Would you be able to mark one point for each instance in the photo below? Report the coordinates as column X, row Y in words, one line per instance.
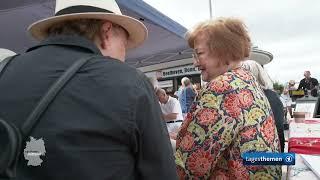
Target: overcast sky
column 289, row 29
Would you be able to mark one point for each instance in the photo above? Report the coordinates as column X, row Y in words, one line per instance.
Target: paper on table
column 306, row 107
column 313, row 162
column 304, row 130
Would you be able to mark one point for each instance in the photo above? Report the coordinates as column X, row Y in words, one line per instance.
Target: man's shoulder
column 107, row 62
column 190, row 89
column 314, row 79
column 114, row 66
column 173, row 100
column 116, row 73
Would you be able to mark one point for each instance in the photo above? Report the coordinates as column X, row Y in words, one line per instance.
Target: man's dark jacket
column 105, row 124
column 309, row 84
column 277, row 109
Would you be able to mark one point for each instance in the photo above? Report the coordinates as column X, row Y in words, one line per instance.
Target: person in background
column 231, row 115
column 266, row 84
column 171, row 110
column 186, row 95
column 309, row 84
column 286, row 101
column 291, row 85
column 106, row 121
column 178, row 92
column 154, row 82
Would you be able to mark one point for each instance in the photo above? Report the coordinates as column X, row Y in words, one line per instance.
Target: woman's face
column 203, row 59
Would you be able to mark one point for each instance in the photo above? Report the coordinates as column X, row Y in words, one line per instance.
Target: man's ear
column 105, row 33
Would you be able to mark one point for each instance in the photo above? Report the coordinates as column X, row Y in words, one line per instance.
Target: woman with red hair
column 231, row 115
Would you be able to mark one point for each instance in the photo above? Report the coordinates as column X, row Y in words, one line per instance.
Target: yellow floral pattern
column 254, row 116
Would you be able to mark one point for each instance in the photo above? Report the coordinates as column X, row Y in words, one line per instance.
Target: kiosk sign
column 179, row 71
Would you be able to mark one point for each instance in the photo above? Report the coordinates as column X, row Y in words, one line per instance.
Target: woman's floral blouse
column 229, row 117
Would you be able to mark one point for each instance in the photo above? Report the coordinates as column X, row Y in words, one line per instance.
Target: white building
column 169, row 74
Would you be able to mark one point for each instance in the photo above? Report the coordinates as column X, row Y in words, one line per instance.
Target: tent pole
column 210, row 6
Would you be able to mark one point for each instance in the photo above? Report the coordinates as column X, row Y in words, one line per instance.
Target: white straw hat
column 91, row 9
column 4, row 53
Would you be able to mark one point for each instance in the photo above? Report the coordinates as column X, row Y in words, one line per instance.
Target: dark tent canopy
column 165, row 42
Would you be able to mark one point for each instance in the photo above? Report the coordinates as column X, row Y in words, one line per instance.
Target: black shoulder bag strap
column 16, row 136
column 35, row 115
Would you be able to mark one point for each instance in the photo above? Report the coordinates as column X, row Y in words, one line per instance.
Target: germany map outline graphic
column 34, row 149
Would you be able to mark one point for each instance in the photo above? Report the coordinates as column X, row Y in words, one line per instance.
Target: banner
column 267, row 158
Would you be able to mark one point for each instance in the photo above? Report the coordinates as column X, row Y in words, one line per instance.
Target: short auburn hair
column 227, row 38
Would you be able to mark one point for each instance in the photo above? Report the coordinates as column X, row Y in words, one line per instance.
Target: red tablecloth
column 311, row 121
column 304, row 145
column 304, row 138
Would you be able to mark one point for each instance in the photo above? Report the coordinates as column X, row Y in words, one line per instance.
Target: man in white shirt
column 171, row 110
column 286, row 101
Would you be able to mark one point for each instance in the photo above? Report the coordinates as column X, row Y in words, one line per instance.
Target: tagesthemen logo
column 34, row 149
column 265, row 158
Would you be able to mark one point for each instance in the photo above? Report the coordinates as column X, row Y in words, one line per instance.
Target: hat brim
column 138, row 32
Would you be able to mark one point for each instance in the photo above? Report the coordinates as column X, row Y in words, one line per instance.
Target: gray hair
column 259, row 73
column 160, row 91
column 185, row 81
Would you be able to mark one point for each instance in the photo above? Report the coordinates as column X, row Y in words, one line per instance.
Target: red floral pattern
column 255, row 168
column 244, row 75
column 199, row 162
column 245, row 98
column 181, row 173
column 220, row 175
column 207, row 116
column 235, row 153
column 238, row 171
column 268, row 130
column 231, row 104
column 203, row 151
column 187, row 142
column 220, row 86
column 249, row 134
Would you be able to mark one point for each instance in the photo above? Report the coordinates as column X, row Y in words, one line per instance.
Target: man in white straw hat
column 106, row 121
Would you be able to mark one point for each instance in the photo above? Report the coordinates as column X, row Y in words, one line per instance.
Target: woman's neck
column 234, row 65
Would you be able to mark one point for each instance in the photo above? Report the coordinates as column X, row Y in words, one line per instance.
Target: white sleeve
column 289, row 103
column 176, row 108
